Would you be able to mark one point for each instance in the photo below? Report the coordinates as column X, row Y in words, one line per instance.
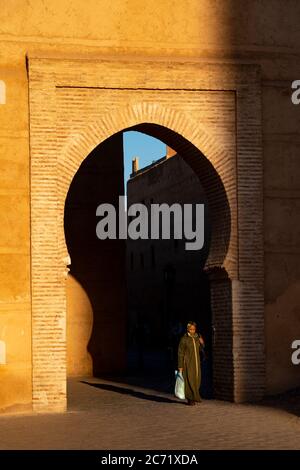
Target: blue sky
column 147, row 148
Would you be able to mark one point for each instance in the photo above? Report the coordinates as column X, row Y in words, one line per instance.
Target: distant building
column 165, row 281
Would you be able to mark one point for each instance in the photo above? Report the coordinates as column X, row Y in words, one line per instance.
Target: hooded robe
column 189, row 360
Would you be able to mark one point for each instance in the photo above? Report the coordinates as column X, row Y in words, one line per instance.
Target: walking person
column 190, row 345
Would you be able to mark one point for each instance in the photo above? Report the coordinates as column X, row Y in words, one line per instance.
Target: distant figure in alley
column 189, row 349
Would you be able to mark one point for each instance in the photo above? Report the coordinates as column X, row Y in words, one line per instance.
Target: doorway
column 128, row 301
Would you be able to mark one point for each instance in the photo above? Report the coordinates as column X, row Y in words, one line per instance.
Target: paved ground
column 111, row 415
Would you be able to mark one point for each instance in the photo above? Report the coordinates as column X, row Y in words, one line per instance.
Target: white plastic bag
column 179, row 385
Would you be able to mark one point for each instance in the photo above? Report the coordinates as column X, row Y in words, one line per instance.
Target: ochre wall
column 262, row 32
column 15, row 311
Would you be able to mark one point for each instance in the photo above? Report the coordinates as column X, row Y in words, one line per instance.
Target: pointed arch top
column 79, row 145
column 201, row 151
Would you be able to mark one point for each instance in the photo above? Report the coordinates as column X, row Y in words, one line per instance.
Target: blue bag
column 179, row 385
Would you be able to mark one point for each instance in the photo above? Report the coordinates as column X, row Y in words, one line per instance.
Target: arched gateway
column 211, row 116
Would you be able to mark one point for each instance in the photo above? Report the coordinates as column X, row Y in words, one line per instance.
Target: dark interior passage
column 128, row 302
column 166, row 283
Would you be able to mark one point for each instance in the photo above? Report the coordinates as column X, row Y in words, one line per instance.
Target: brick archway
column 221, row 265
column 63, row 139
column 212, row 164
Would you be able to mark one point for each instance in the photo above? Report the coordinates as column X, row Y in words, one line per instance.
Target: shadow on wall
column 96, row 287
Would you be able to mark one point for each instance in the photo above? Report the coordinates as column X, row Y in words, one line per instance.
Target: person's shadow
column 134, row 393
